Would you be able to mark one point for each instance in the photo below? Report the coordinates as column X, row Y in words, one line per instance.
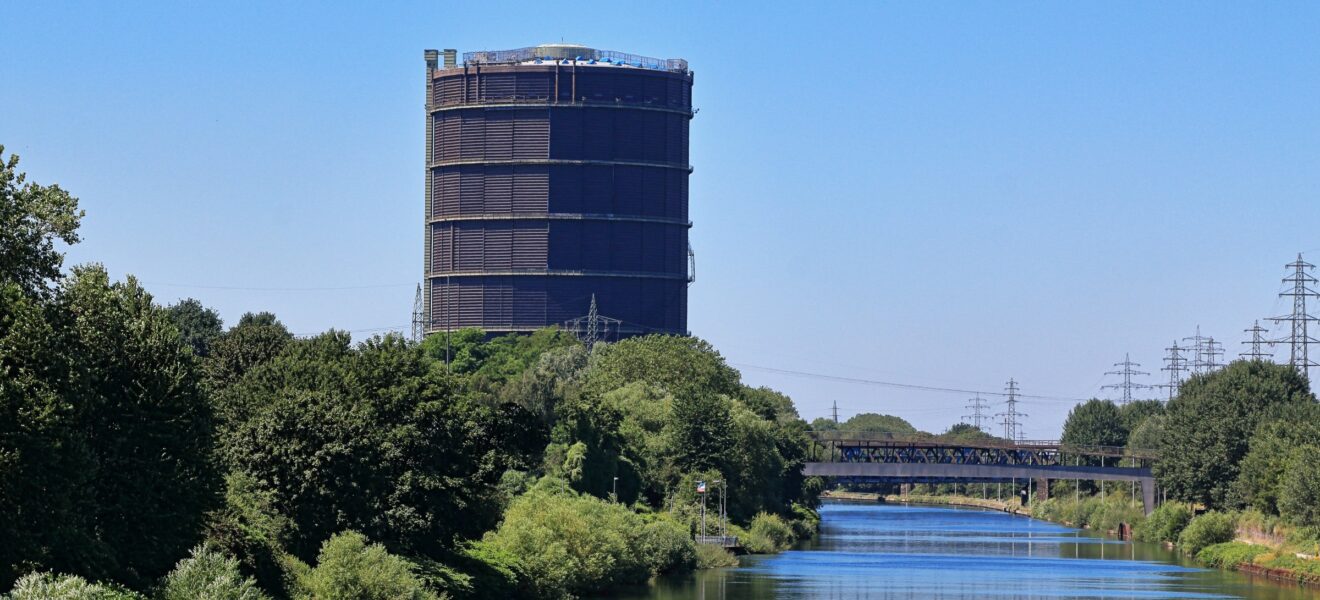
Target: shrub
column 49, row 586
column 806, row 522
column 348, row 568
column 710, row 556
column 208, row 575
column 1229, row 555
column 668, row 547
column 1206, row 530
column 572, row 544
column 772, row 528
column 1165, row 523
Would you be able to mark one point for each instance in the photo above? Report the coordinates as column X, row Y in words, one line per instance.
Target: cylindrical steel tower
column 555, row 174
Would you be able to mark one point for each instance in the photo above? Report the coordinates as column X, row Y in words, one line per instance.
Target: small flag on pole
column 701, row 487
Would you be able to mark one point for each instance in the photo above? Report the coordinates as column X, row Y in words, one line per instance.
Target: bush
column 49, row 586
column 668, row 547
column 1206, row 530
column 1229, row 555
column 1165, row 523
column 710, row 556
column 348, row 568
column 572, row 544
column 208, row 575
column 772, row 528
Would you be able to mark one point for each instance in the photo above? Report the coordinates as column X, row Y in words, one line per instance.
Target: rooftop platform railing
column 522, row 55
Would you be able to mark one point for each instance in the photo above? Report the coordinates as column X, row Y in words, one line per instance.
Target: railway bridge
column 901, row 458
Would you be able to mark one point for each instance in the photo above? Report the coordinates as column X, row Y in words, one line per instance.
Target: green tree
column 148, row 428
column 1148, row 437
column 348, row 567
column 573, row 544
column 255, row 340
column 702, row 431
column 208, row 575
column 824, row 424
column 965, row 432
column 372, row 439
column 33, row 218
column 874, row 423
column 768, row 404
column 1262, row 470
column 1095, row 423
column 683, row 366
column 49, row 586
column 197, row 325
column 1136, row 412
column 1209, row 423
column 1299, row 496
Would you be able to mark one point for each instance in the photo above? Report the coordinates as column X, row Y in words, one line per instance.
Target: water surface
column 885, row 551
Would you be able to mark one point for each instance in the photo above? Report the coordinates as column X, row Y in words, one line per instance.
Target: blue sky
column 946, row 194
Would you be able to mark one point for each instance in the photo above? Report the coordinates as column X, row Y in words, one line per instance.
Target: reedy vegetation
column 132, row 434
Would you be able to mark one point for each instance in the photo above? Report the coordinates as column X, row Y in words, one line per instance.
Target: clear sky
column 946, row 194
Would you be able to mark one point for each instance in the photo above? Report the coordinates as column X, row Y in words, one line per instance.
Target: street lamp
column 616, row 489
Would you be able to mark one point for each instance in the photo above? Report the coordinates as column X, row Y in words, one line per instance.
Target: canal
column 887, row 551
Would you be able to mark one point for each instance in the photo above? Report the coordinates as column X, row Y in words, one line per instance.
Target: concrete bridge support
column 1042, row 489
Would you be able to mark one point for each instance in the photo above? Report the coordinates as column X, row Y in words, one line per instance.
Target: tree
column 255, row 340
column 1134, row 413
column 965, row 432
column 148, row 428
column 1209, row 423
column 1299, row 496
column 683, row 366
column 702, row 431
column 208, row 575
column 33, row 218
column 768, row 404
column 1148, row 437
column 197, row 325
column 371, row 439
column 105, row 438
column 350, row 568
column 1095, row 423
column 874, row 423
column 1262, row 471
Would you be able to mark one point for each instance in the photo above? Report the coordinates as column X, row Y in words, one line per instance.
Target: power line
column 898, row 385
column 1128, row 385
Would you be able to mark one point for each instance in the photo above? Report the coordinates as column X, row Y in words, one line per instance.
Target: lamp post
column 616, row 489
column 720, row 482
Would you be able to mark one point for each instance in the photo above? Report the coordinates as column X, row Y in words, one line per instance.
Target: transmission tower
column 1299, row 338
column 1011, row 415
column 835, row 412
column 418, row 316
column 1257, row 342
column 1176, row 365
column 1128, row 385
column 594, row 327
column 1213, row 351
column 979, row 415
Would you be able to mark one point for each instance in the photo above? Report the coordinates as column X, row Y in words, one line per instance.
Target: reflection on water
column 883, row 551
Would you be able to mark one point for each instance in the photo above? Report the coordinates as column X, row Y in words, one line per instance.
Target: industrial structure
column 556, row 184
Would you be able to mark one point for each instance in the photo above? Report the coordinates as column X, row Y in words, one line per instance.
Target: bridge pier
column 1042, row 489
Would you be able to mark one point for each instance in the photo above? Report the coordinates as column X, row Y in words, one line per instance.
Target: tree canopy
column 1209, row 424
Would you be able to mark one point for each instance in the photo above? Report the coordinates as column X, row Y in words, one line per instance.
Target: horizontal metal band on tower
column 559, row 273
column 560, row 161
column 548, row 103
column 560, row 217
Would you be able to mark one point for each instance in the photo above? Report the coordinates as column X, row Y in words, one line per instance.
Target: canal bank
column 894, row 550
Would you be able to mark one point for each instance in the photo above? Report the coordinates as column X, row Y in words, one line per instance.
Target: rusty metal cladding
column 554, row 173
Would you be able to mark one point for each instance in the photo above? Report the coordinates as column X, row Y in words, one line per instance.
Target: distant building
column 553, row 174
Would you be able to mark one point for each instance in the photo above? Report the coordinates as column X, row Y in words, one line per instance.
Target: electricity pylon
column 979, row 415
column 1299, row 338
column 1010, row 415
column 1176, row 365
column 1128, row 385
column 1257, row 342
